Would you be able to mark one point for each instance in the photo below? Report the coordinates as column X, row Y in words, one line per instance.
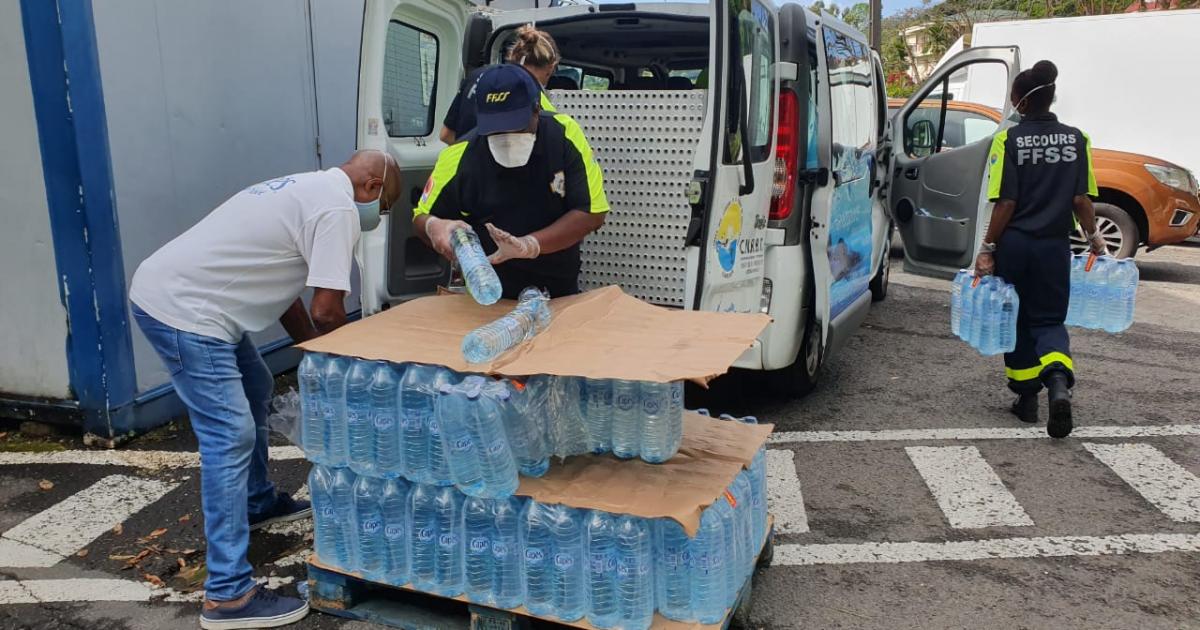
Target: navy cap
column 504, row 99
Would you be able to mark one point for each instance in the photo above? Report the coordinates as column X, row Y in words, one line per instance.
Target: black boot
column 1060, row 424
column 1025, row 408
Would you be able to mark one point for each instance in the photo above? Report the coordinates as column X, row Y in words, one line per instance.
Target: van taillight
column 787, row 156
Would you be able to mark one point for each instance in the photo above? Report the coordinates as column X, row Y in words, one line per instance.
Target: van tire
column 800, row 378
column 879, row 284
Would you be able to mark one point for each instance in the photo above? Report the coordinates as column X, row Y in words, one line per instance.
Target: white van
column 745, row 148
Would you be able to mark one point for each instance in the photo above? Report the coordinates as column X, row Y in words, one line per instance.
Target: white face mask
column 512, row 149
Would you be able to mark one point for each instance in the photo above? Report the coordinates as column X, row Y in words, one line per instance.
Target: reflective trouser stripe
column 1029, row 374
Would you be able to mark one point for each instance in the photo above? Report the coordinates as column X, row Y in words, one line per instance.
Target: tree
column 858, row 16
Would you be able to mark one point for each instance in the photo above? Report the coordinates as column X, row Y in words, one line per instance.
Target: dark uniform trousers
column 1040, row 270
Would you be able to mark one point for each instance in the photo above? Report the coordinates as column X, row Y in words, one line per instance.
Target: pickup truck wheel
column 800, row 378
column 1119, row 230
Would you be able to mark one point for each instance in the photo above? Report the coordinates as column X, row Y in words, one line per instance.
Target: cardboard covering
column 599, row 334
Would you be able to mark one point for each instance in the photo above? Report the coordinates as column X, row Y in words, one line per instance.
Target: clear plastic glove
column 509, row 247
column 439, row 232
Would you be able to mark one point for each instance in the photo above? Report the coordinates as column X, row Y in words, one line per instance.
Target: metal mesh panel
column 645, row 142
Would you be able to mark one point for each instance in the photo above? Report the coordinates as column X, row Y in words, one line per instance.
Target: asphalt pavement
column 905, row 495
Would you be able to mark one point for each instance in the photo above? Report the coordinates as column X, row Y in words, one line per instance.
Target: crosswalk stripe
column 152, row 460
column 73, row 590
column 969, row 492
column 987, row 433
column 1041, row 547
column 48, row 537
column 785, row 501
column 1162, row 482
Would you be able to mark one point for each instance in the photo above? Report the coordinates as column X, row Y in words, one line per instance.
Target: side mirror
column 921, row 138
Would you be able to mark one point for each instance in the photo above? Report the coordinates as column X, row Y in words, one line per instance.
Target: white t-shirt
column 240, row 267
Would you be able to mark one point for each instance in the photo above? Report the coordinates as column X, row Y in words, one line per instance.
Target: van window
column 410, row 69
column 852, row 94
column 753, row 42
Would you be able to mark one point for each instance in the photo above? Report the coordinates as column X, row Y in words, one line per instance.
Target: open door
column 409, row 72
column 938, row 191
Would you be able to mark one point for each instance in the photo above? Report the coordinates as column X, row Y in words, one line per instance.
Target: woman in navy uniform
column 1041, row 180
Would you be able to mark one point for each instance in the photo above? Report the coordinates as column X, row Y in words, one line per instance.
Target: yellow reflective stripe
column 1057, row 357
column 595, row 179
column 547, row 106
column 996, row 164
column 1029, row 374
column 1093, row 189
column 444, row 171
column 1026, row 374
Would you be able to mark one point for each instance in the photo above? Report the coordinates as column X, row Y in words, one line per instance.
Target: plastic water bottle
column 439, row 468
column 394, row 505
column 385, row 409
column 416, row 408
column 961, row 279
column 1010, row 307
column 358, row 417
column 482, row 281
column 635, row 577
column 568, row 568
column 602, row 569
column 1129, row 290
column 676, row 409
column 524, row 426
column 1122, row 294
column 707, row 559
column 979, row 325
column 758, row 487
column 1094, row 287
column 423, row 532
column 655, row 444
column 341, row 490
column 673, row 571
column 497, row 464
column 1077, row 296
column 333, row 387
column 507, row 588
column 626, row 423
column 531, row 316
column 995, row 314
column 448, row 559
column 478, row 523
column 537, row 559
column 598, row 413
column 327, row 530
column 455, row 406
column 967, row 313
column 368, row 519
column 311, row 403
column 744, row 518
column 735, row 547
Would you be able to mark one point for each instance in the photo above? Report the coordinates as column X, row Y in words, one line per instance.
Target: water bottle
column 602, row 569
column 524, row 419
column 967, row 317
column 439, row 468
column 394, row 506
column 333, row 386
column 537, row 559
column 1010, row 307
column 327, row 530
column 758, row 487
column 673, row 571
column 478, row 523
column 995, row 314
column 568, row 568
column 635, row 578
column 531, row 316
column 598, row 413
column 979, row 311
column 482, row 281
column 359, row 433
column 676, row 414
column 1122, row 293
column 744, row 518
column 341, row 490
column 497, row 464
column 735, row 547
column 416, row 408
column 368, row 519
column 707, row 559
column 1094, row 287
column 423, row 532
column 656, row 430
column 455, row 406
column 507, row 587
column 956, row 299
column 448, row 558
column 626, row 423
column 311, row 403
column 385, row 400
column 1129, row 291
column 1078, row 278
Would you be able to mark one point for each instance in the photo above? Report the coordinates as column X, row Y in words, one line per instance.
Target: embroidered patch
column 558, row 185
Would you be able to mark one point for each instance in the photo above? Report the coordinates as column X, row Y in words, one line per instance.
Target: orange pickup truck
column 1144, row 201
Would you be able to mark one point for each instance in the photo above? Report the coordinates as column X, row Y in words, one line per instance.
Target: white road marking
column 1165, row 484
column 784, row 498
column 73, row 590
column 997, row 433
column 153, row 460
column 969, row 492
column 48, row 537
column 1042, row 547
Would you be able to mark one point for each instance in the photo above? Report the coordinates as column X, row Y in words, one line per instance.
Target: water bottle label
column 676, row 395
column 425, row 534
column 650, row 405
column 393, row 532
column 675, row 558
column 463, row 445
column 479, row 544
column 501, row 549
column 625, row 402
column 413, row 421
column 435, row 428
column 327, row 513
column 447, row 540
column 630, row 569
column 383, row 422
column 354, row 417
column 327, row 410
column 496, row 447
column 601, row 562
column 371, row 526
column 533, row 555
column 563, row 561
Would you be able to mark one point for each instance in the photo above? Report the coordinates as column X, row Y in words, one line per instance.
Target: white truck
column 745, row 146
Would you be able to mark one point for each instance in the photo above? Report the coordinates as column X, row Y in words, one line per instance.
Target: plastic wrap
column 284, row 418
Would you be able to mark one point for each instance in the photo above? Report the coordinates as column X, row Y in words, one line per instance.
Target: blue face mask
column 368, row 213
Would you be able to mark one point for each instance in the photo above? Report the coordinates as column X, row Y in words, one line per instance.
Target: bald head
column 366, row 170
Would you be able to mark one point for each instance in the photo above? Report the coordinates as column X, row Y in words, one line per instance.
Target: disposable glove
column 440, row 232
column 509, row 247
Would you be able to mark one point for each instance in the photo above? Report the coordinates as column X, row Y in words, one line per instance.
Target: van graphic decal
column 729, row 231
column 850, row 233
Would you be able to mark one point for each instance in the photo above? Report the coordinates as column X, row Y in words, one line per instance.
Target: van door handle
column 912, row 172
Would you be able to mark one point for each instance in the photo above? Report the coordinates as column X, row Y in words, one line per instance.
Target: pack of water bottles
column 983, row 312
column 558, row 561
column 1103, row 292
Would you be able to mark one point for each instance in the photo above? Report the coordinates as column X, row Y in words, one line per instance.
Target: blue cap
column 505, row 97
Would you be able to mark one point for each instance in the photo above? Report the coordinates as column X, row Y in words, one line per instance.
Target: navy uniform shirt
column 460, row 118
column 1042, row 165
column 562, row 175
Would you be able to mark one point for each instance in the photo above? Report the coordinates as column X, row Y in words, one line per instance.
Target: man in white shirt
column 238, row 270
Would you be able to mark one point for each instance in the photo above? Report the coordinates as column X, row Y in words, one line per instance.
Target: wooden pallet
column 352, row 596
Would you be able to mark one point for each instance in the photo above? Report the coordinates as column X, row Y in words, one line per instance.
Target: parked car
column 1144, row 201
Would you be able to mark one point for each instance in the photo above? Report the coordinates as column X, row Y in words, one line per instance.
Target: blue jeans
column 227, row 389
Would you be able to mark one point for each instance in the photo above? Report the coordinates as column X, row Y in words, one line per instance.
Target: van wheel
column 879, row 284
column 1119, row 230
column 800, row 378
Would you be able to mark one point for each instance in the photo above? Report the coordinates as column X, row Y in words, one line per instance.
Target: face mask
column 368, row 213
column 512, row 149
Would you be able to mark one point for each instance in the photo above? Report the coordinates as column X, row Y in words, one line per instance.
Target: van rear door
column 409, row 73
column 938, row 192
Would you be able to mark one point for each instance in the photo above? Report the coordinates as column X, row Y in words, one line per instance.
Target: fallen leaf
column 156, row 533
column 82, row 553
column 118, row 529
column 119, row 558
column 46, row 484
column 138, row 558
column 185, row 518
column 182, row 562
column 154, row 579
